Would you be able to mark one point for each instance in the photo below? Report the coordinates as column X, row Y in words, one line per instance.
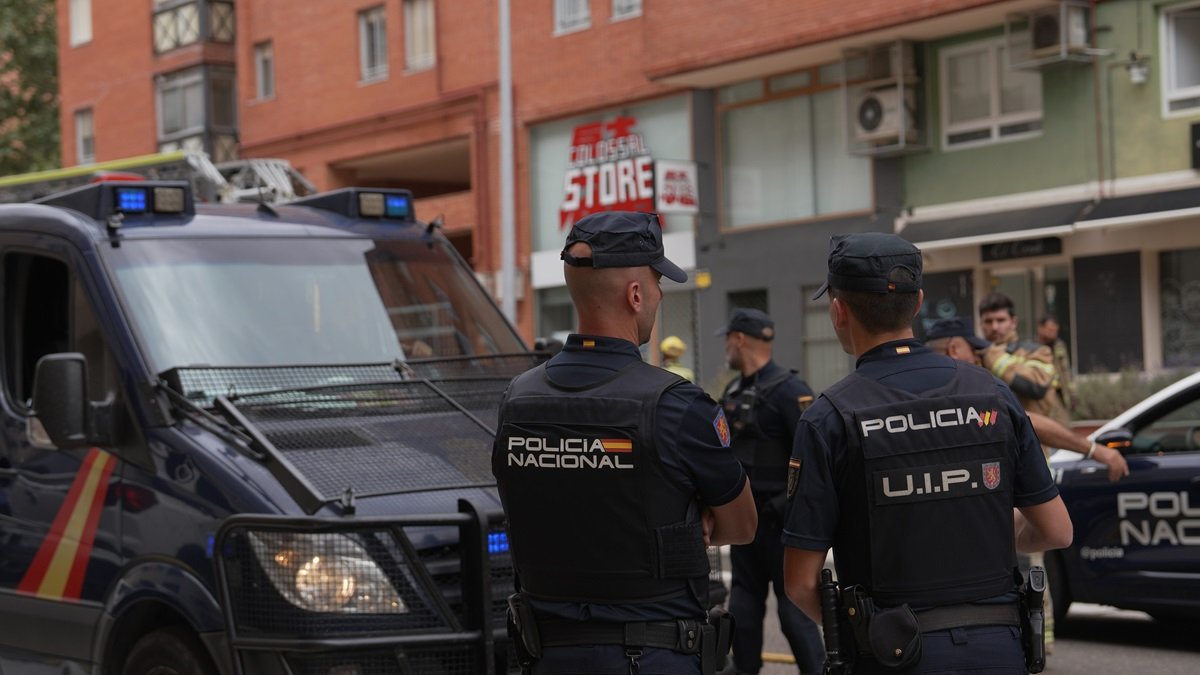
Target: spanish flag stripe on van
column 58, row 568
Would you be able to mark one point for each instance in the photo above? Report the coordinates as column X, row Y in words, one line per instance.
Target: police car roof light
column 357, row 203
column 104, row 199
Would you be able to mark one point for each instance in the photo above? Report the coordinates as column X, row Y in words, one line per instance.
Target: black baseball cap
column 752, row 322
column 866, row 261
column 956, row 326
column 622, row 239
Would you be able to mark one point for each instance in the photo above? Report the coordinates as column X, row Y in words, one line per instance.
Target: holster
column 891, row 636
column 716, row 641
column 1033, row 620
column 523, row 630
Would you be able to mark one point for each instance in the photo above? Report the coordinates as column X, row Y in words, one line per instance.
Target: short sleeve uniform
column 692, row 438
column 817, row 518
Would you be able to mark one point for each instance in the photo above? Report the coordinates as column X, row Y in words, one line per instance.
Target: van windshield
column 274, row 302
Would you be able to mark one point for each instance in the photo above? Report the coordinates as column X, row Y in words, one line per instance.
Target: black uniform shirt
column 689, row 444
column 814, row 519
column 780, row 411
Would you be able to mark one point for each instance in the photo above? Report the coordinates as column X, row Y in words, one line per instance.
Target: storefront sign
column 675, row 187
column 610, row 169
column 1026, row 248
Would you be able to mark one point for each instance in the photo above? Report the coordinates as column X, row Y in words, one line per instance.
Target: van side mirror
column 61, row 413
column 1121, row 439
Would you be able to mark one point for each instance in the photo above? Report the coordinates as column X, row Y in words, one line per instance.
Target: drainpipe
column 508, row 243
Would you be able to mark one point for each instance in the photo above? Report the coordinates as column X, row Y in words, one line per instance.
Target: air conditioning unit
column 1058, row 30
column 893, row 60
column 883, row 115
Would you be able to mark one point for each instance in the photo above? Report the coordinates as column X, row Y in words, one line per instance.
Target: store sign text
column 610, row 169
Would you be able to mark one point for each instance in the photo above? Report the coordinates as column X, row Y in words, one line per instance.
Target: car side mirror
column 62, row 417
column 1120, row 439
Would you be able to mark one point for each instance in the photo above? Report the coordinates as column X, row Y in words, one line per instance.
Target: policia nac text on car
column 614, row 475
column 910, row 468
column 233, row 461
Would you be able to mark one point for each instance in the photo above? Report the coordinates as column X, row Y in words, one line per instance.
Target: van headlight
column 325, row 572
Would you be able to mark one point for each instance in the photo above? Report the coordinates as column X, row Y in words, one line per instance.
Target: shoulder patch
column 722, row 428
column 804, row 401
column 793, row 476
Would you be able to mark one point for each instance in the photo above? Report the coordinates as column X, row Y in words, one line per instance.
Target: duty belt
column 961, row 616
column 681, row 635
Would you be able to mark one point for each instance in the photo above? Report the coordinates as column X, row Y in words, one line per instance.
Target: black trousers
column 757, row 567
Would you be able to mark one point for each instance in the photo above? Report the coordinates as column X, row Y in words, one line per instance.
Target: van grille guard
column 285, row 594
column 331, row 435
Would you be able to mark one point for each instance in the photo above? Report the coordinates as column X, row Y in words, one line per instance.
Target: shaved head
column 609, row 298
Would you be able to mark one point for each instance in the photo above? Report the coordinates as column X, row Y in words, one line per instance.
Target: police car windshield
column 273, row 302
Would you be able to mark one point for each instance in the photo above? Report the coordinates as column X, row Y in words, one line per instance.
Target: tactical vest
column 765, row 459
column 592, row 515
column 939, row 471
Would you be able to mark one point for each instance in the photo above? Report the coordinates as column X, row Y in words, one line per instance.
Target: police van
column 247, row 438
column 1137, row 541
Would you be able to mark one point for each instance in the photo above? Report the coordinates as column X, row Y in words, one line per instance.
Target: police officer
column 763, row 405
column 614, row 475
column 909, row 468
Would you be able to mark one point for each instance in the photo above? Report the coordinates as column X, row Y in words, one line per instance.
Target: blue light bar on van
column 497, row 542
column 397, row 206
column 132, row 200
column 106, row 198
column 363, row 203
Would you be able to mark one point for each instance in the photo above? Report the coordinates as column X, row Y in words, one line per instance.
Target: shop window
column 626, row 9
column 1181, row 59
column 1180, row 286
column 420, row 38
column 556, row 314
column 264, row 71
column 85, row 137
column 773, row 177
column 372, row 45
column 825, row 362
column 80, row 19
column 571, row 15
column 1108, row 312
column 983, row 101
column 947, row 294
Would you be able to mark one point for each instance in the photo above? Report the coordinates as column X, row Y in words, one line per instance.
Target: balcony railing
column 178, row 23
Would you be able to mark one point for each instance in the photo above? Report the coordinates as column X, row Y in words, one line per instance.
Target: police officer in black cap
column 763, row 405
column 909, row 468
column 614, row 476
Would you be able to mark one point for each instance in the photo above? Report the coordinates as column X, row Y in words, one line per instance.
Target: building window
column 798, row 169
column 80, row 22
column 264, row 71
column 571, row 15
column 85, row 137
column 626, row 9
column 983, row 101
column 420, row 39
column 372, row 44
column 1180, row 285
column 1181, row 58
column 825, row 362
column 178, row 24
column 197, row 110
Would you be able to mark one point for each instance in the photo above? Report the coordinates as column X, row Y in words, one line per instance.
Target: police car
column 247, row 438
column 1137, row 541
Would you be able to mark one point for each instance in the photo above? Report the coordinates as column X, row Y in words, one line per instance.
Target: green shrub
column 1104, row 396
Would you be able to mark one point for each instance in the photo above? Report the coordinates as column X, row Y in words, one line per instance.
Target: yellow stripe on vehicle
column 59, row 571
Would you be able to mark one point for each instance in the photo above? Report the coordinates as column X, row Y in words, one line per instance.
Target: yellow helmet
column 672, row 346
